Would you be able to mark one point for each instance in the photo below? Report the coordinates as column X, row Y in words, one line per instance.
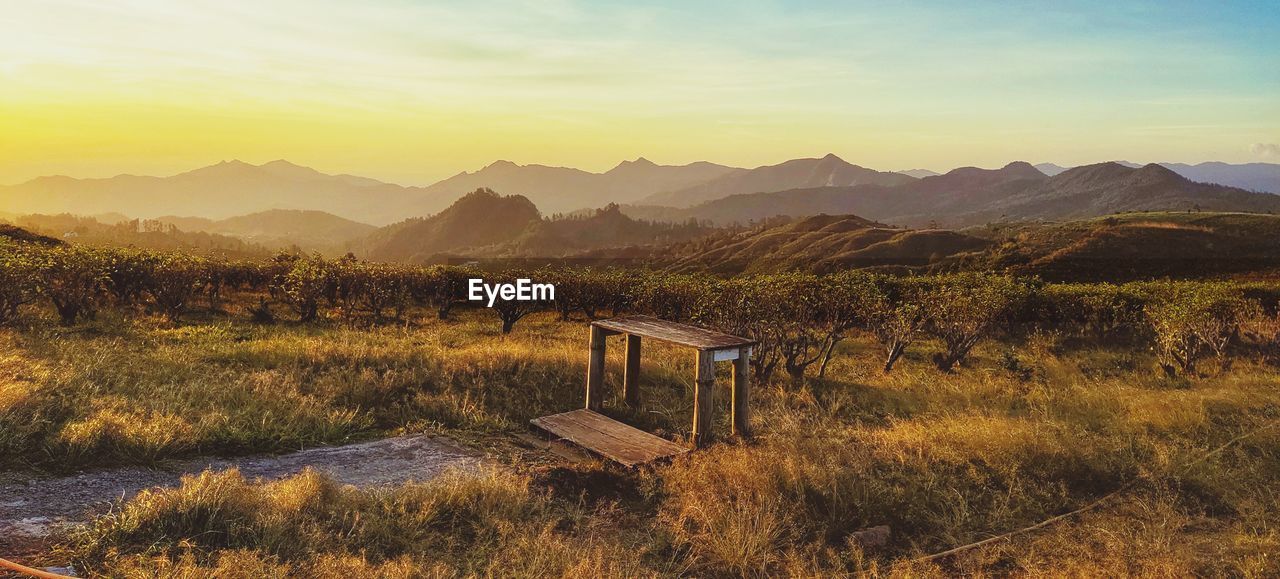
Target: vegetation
column 1058, row 395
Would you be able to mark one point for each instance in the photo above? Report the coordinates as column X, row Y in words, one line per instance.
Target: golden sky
column 412, row 92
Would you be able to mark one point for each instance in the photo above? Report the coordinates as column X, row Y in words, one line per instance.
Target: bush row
column 798, row 319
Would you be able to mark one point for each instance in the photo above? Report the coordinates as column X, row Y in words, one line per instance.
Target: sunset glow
column 413, row 91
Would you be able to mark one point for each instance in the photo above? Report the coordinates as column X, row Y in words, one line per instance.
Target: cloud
column 1266, row 150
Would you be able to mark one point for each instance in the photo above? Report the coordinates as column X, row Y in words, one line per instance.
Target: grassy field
column 1024, row 432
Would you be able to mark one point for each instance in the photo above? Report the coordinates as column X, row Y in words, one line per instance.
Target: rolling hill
column 279, row 228
column 829, row 171
column 484, row 224
column 819, row 243
column 1136, row 246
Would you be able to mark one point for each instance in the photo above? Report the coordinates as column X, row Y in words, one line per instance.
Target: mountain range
column 829, row 171
column 702, row 190
column 970, row 196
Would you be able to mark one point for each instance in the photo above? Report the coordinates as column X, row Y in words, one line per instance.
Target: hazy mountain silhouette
column 311, row 230
column 919, row 173
column 829, row 171
column 218, row 191
column 562, row 189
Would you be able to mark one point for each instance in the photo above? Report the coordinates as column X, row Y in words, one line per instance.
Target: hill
column 971, row 196
column 484, row 224
column 829, row 171
column 1137, row 246
column 1261, row 177
column 218, row 191
column 599, row 229
column 147, row 234
column 820, row 243
column 281, row 228
column 478, row 219
column 20, row 235
column 562, row 189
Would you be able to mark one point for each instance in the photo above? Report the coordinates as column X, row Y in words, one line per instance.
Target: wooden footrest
column 604, row 436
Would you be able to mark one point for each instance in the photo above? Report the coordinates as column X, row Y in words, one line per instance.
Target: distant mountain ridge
column 314, row 230
column 828, row 171
column 227, row 189
column 563, row 189
column 969, row 196
column 1262, row 177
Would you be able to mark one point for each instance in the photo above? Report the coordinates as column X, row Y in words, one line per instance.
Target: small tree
column 673, row 296
column 963, row 308
column 1191, row 321
column 174, row 281
column 511, row 311
column 74, row 278
column 896, row 315
column 309, row 280
column 19, row 279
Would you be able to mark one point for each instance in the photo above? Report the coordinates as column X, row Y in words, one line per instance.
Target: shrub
column 307, row 281
column 19, row 280
column 677, row 297
column 1191, row 321
column 895, row 314
column 963, row 308
column 174, row 280
column 74, row 278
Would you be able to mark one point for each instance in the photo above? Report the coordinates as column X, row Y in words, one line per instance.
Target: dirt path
column 32, row 507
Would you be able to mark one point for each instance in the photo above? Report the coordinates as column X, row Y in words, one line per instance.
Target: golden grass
column 944, row 459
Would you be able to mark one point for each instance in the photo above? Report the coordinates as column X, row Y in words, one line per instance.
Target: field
column 1025, row 428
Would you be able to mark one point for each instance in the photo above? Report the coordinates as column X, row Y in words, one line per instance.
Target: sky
column 413, row 91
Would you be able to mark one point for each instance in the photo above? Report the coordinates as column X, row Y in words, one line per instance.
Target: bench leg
column 595, row 371
column 631, row 373
column 703, row 398
column 742, row 393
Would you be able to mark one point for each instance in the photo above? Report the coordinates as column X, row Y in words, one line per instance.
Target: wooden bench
column 628, row 445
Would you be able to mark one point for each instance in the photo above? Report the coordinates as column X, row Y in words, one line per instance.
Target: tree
column 19, row 279
column 174, row 280
column 1191, row 321
column 896, row 315
column 74, row 277
column 962, row 309
column 307, row 281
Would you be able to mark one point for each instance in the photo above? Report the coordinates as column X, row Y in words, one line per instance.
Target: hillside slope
column 277, row 228
column 478, row 219
column 820, row 243
column 1136, row 246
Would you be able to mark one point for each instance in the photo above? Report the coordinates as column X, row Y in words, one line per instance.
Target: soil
column 32, row 507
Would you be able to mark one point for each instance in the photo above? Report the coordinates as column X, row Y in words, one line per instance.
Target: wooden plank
column 631, row 373
column 703, row 398
column 607, row 437
column 595, row 370
column 742, row 393
column 673, row 332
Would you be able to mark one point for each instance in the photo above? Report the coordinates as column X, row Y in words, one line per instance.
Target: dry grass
column 944, row 459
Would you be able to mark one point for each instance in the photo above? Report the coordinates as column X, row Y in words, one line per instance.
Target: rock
column 870, row 537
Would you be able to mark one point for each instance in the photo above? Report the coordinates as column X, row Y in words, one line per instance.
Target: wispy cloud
column 1266, row 150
